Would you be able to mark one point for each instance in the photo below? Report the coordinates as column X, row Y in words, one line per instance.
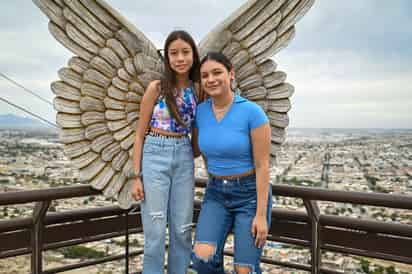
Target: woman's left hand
column 260, row 230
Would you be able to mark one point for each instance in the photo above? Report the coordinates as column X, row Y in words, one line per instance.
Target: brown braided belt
column 232, row 177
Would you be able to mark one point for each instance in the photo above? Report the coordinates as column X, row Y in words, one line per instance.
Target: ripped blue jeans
column 168, row 181
column 229, row 205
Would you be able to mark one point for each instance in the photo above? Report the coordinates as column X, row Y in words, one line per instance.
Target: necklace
column 219, row 110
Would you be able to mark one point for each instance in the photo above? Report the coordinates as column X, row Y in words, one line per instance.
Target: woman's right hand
column 137, row 190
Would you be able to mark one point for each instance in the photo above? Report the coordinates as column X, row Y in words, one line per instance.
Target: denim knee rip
column 251, row 267
column 186, row 227
column 157, row 215
column 211, row 255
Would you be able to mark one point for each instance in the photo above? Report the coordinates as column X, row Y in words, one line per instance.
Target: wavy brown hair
column 169, row 82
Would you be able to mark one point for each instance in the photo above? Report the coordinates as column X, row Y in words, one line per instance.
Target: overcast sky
column 350, row 61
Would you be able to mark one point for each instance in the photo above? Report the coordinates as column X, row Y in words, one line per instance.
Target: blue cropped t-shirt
column 227, row 144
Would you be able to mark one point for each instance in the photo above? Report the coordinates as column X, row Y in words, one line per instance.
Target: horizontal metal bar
column 289, row 229
column 283, row 229
column 285, row 240
column 321, row 194
column 267, row 260
column 27, row 250
column 291, row 215
column 91, row 263
column 15, row 224
column 289, row 264
column 62, row 217
column 90, row 239
column 37, row 195
column 66, row 232
column 15, row 253
column 372, row 243
column 83, row 214
column 361, row 198
column 84, row 229
column 352, row 251
column 339, row 234
column 15, row 240
column 390, row 228
column 324, row 270
column 309, row 193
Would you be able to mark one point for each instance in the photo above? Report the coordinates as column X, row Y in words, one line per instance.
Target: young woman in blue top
column 163, row 158
column 234, row 139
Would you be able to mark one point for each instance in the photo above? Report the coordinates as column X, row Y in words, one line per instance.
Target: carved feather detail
column 249, row 37
column 99, row 93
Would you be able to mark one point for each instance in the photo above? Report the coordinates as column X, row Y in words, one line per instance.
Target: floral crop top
column 186, row 104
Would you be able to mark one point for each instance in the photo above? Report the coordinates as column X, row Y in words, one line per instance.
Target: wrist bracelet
column 133, row 175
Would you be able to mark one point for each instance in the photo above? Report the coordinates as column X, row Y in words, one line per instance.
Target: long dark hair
column 168, row 83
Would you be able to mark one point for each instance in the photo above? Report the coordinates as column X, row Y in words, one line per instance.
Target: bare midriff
column 166, row 132
column 235, row 176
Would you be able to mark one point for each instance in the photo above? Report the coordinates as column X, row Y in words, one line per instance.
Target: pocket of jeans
column 187, row 148
column 248, row 186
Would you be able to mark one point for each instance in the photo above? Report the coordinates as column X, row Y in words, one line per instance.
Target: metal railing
column 311, row 229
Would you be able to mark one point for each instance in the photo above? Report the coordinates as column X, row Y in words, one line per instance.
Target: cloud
column 197, row 17
column 31, row 56
column 368, row 26
column 29, row 49
column 350, row 65
column 349, row 62
column 346, row 89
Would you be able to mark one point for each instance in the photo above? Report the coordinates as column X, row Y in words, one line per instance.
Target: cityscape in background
column 348, row 61
column 363, row 160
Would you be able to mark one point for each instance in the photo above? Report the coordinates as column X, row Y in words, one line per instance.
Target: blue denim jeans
column 229, row 205
column 168, row 181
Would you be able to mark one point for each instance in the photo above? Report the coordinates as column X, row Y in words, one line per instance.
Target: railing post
column 314, row 214
column 127, row 242
column 39, row 212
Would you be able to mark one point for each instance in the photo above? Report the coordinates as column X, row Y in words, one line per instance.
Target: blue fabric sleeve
column 257, row 116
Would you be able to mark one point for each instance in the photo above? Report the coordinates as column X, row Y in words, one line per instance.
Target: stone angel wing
column 249, row 37
column 99, row 92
